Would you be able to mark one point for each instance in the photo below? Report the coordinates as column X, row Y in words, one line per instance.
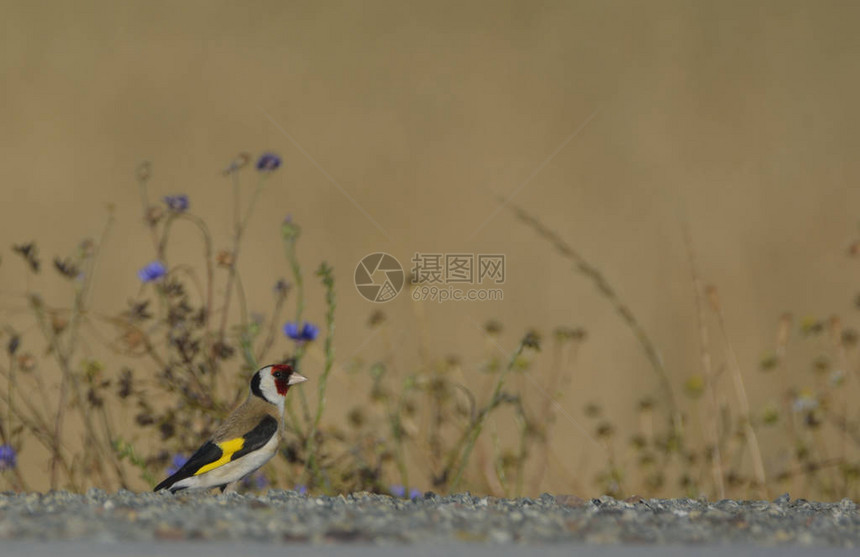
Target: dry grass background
column 737, row 119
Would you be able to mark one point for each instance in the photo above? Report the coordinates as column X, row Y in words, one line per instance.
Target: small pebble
column 783, row 499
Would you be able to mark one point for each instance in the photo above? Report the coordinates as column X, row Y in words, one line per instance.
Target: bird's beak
column 296, row 378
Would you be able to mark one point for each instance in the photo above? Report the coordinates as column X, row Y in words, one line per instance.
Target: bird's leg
column 230, row 487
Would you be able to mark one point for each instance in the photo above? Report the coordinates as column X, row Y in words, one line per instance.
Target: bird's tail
column 168, row 485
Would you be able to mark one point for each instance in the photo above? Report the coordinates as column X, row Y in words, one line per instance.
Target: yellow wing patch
column 227, row 449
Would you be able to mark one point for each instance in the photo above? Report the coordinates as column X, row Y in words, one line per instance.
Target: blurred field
column 738, row 120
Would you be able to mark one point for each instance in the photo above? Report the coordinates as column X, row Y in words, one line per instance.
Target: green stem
column 470, row 436
column 295, row 267
column 327, row 275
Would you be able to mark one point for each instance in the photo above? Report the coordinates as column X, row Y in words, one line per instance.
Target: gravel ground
column 279, row 517
column 461, row 549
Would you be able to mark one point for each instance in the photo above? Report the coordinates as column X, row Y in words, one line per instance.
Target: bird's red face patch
column 281, row 374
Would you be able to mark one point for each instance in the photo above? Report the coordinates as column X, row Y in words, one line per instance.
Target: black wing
column 207, row 454
column 257, row 437
column 211, row 453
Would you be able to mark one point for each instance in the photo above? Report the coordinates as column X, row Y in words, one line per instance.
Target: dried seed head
column 67, row 268
column 713, row 297
column 492, row 327
column 240, row 161
column 376, row 318
column 26, row 362
column 94, row 399
column 604, row 430
column 565, row 334
column 30, row 253
column 593, row 410
column 153, row 215
column 126, row 383
column 144, row 419
column 694, row 386
column 811, row 326
column 167, row 430
column 812, row 420
column 355, row 417
column 133, row 338
column 87, row 248
column 821, row 364
column 532, row 340
column 646, row 404
column 224, row 259
column 144, row 171
column 58, row 323
column 770, row 415
column 769, row 362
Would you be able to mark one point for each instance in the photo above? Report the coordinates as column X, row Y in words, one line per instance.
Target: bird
column 247, row 438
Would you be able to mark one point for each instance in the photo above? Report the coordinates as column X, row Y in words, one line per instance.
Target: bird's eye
column 278, row 374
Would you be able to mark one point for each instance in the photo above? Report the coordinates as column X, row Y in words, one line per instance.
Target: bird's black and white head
column 272, row 383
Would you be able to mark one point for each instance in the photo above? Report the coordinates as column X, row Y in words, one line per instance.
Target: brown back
column 245, row 418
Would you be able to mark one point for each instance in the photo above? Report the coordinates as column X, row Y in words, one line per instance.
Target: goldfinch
column 246, row 440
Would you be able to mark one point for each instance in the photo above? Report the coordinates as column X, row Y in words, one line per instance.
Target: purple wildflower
column 8, row 457
column 303, row 333
column 310, row 331
column 178, row 462
column 268, row 162
column 177, row 203
column 301, row 489
column 399, row 491
column 292, row 330
column 256, row 481
column 152, row 271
